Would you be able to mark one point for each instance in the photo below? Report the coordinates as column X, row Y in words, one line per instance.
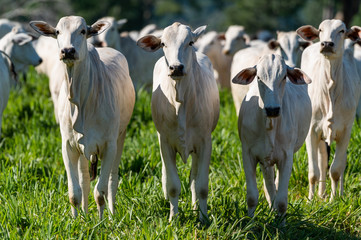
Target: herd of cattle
column 93, row 69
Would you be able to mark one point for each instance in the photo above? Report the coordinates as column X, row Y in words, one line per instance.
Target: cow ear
column 43, row 28
column 21, row 39
column 222, row 36
column 354, row 33
column 149, row 43
column 120, row 23
column 97, row 28
column 304, row 44
column 198, row 32
column 297, row 76
column 308, row 32
column 273, row 44
column 245, row 76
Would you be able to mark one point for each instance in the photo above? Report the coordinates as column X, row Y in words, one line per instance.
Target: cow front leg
column 285, row 170
column 249, row 166
column 322, row 165
column 84, row 181
column 70, row 158
column 199, row 178
column 339, row 163
column 101, row 188
column 170, row 179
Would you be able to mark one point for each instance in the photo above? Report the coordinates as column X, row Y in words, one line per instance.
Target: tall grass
column 33, row 185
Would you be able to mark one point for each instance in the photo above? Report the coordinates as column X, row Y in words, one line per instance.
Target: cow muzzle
column 176, row 70
column 272, row 112
column 68, row 54
column 327, row 47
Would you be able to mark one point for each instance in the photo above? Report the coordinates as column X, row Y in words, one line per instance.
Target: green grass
column 33, row 185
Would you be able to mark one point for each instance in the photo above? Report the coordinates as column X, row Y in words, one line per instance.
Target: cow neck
column 184, row 92
column 78, row 91
column 333, row 89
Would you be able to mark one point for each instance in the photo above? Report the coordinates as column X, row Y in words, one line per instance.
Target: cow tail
column 328, row 154
column 93, row 166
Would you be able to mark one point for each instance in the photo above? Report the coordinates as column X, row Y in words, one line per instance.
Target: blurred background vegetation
column 218, row 15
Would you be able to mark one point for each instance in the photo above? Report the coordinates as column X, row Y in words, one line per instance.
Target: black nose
column 273, row 112
column 68, row 53
column 176, row 70
column 327, row 44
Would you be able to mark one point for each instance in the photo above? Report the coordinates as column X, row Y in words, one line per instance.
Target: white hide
column 288, row 44
column 96, row 102
column 334, row 93
column 185, row 110
column 5, row 77
column 271, row 138
column 140, row 63
column 18, row 46
column 211, row 45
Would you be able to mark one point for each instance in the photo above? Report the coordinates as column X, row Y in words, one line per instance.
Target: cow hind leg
column 269, row 183
column 101, row 188
column 312, row 143
column 113, row 179
column 199, row 178
column 170, row 179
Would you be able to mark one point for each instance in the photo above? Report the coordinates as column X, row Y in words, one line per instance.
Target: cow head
column 271, row 72
column 290, row 46
column 71, row 33
column 18, row 45
column 177, row 42
column 332, row 34
column 209, row 44
column 110, row 37
column 235, row 39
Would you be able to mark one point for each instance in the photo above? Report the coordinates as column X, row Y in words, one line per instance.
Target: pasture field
column 33, row 185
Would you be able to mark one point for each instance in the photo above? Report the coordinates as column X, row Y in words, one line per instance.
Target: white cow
column 334, row 94
column 288, row 44
column 18, row 46
column 355, row 47
column 185, row 110
column 211, row 45
column 140, row 63
column 273, row 123
column 96, row 102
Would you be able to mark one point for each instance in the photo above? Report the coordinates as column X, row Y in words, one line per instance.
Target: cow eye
column 82, row 32
column 320, row 30
column 191, row 43
column 57, row 32
column 342, row 31
column 162, row 44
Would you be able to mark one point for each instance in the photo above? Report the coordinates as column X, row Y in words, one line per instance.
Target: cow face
column 235, row 39
column 22, row 51
column 71, row 34
column 209, row 44
column 271, row 72
column 290, row 46
column 177, row 43
column 332, row 34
